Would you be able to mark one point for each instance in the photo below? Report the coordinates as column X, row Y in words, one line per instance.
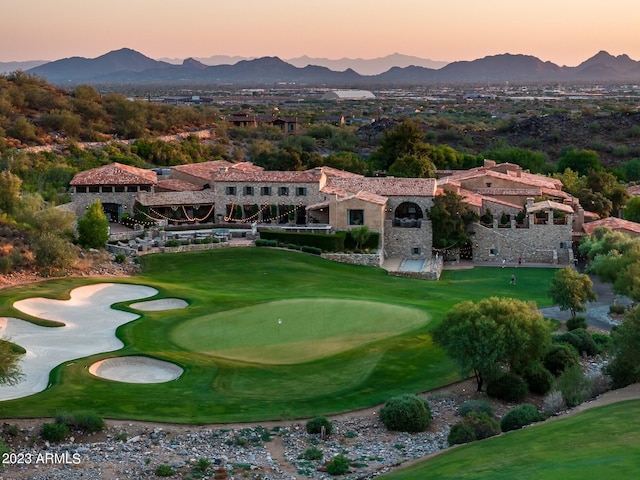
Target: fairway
column 295, row 331
column 350, row 336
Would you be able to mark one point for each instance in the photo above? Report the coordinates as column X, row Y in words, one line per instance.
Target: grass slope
column 215, row 389
column 603, row 444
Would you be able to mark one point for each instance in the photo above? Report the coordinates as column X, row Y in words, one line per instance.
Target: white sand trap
column 161, row 304
column 136, row 370
column 89, row 327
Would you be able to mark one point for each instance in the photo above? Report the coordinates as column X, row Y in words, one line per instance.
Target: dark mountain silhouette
column 129, row 66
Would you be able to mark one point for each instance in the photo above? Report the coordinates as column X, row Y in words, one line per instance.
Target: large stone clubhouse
column 327, row 200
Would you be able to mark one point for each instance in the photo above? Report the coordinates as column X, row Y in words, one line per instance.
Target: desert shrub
column 406, row 413
column 120, row 258
column 553, row 403
column 576, row 322
column 54, row 432
column 165, row 471
column 602, row 340
column 475, row 406
column 520, row 416
column 202, row 465
column 560, row 357
column 483, row 425
column 600, row 383
column 538, row 379
column 616, row 309
column 508, row 387
column 315, row 425
column 586, row 346
column 461, row 432
column 312, row 453
column 574, row 385
column 339, row 465
column 172, row 243
column 87, row 422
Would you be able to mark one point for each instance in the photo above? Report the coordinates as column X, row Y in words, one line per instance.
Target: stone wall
column 402, row 242
column 367, row 260
column 537, row 243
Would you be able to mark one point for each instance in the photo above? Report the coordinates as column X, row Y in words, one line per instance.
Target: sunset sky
column 565, row 32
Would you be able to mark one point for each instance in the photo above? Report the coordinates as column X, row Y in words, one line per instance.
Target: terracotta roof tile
column 115, row 174
column 387, row 186
column 202, row 197
column 175, row 185
column 613, row 223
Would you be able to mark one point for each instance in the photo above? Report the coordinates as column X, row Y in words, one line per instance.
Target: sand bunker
column 89, row 327
column 136, row 370
column 161, row 304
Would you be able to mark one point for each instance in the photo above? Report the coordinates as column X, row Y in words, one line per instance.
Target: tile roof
column 548, row 204
column 367, row 197
column 176, row 185
column 115, row 174
column 268, row 176
column 634, row 191
column 613, row 223
column 386, row 186
column 202, row 197
column 202, row 170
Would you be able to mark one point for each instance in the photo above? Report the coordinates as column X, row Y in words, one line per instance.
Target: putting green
column 295, row 331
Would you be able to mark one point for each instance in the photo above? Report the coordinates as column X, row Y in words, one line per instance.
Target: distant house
column 615, row 224
column 348, row 95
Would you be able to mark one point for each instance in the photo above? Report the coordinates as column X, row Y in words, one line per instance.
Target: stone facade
column 536, row 243
column 367, row 260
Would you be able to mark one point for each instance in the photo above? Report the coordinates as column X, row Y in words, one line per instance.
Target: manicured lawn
column 599, row 444
column 350, row 337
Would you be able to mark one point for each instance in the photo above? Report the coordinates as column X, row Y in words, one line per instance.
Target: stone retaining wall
column 367, row 260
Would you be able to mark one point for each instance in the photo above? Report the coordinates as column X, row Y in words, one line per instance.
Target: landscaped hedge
column 324, row 241
column 406, row 413
column 372, row 243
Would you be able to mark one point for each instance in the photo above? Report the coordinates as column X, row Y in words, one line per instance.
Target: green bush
column 508, row 387
column 120, row 258
column 520, row 416
column 538, row 379
column 165, row 471
column 261, row 242
column 587, row 344
column 314, row 250
column 323, row 241
column 484, row 425
column 172, row 243
column 202, row 465
column 315, row 425
column 602, row 340
column 617, row 309
column 475, row 406
column 86, row 422
column 574, row 385
column 406, row 413
column 560, row 357
column 54, row 432
column 475, row 426
column 312, row 453
column 461, row 432
column 576, row 322
column 339, row 465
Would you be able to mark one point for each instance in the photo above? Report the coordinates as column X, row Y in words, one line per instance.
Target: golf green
column 295, row 331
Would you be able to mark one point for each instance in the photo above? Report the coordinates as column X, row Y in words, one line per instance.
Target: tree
column 10, row 185
column 10, row 373
column 450, row 217
column 625, row 366
column 53, row 252
column 492, row 334
column 406, row 139
column 360, row 235
column 571, row 290
column 580, row 161
column 411, row 166
column 632, row 210
column 93, row 227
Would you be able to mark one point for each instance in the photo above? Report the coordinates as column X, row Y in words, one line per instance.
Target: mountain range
column 364, row 66
column 126, row 66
